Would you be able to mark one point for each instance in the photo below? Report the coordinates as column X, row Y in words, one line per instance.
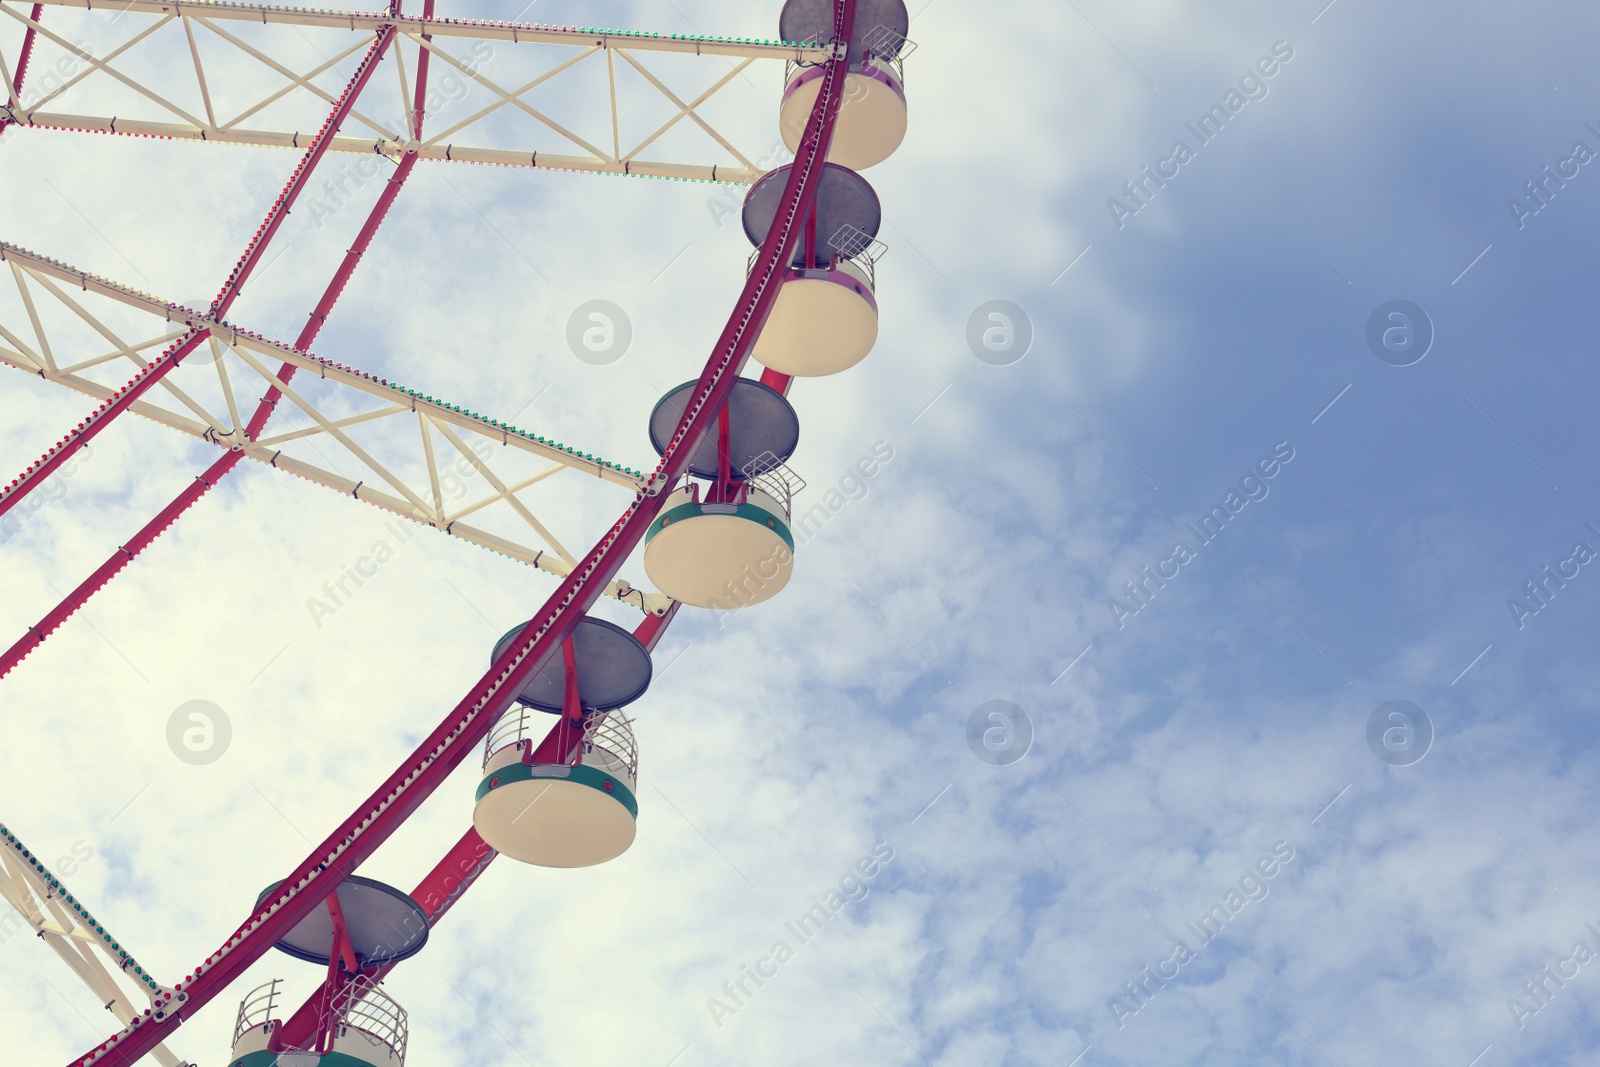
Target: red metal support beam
column 125, row 554
column 651, row 630
column 147, row 535
column 343, row 950
column 445, row 884
column 436, row 894
column 342, row 966
column 418, row 112
column 22, row 63
column 333, row 982
column 780, row 382
column 453, row 875
column 142, row 382
column 338, row 856
column 724, row 488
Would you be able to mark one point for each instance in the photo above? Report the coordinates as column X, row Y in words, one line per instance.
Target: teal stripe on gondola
column 592, row 777
column 332, row 1059
column 759, row 516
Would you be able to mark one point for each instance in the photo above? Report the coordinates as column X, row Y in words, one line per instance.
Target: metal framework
column 62, row 922
column 144, row 109
column 396, row 447
column 236, row 353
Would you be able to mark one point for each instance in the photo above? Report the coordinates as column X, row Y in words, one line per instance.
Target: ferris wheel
column 560, row 763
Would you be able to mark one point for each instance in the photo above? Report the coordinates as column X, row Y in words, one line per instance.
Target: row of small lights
column 370, row 377
column 471, row 162
column 496, row 423
column 290, row 188
column 240, row 935
column 629, row 588
column 89, row 922
column 93, row 415
column 233, row 277
column 594, row 29
column 457, row 408
column 533, row 26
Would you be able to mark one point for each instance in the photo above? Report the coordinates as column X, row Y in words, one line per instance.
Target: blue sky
column 780, row 744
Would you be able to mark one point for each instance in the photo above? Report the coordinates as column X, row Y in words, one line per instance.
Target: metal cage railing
column 770, row 475
column 256, row 1008
column 859, row 249
column 361, row 1005
column 888, row 46
column 610, row 734
column 881, row 44
column 852, row 242
column 864, row 260
column 514, row 727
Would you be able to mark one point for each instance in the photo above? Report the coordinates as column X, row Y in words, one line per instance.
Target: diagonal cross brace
column 126, row 553
column 337, row 857
column 102, row 416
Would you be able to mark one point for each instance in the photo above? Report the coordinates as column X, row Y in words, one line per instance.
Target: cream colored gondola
column 872, row 118
column 556, row 814
column 825, row 319
column 553, row 812
column 730, row 548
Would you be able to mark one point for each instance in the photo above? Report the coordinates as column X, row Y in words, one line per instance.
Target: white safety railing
column 363, row 1006
column 256, row 1008
column 514, row 727
column 852, row 242
column 858, row 249
column 881, row 46
column 770, row 475
column 854, row 251
column 608, row 743
column 608, row 739
column 889, row 47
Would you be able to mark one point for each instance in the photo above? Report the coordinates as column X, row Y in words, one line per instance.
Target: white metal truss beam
column 61, row 921
column 472, row 140
column 470, row 29
column 401, row 471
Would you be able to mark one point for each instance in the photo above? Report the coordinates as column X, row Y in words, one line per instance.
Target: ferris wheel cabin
column 729, row 544
column 533, row 802
column 368, row 1029
column 364, row 922
column 559, row 793
column 872, row 120
column 825, row 319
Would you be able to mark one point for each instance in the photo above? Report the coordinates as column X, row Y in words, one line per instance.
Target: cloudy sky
column 1181, row 343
